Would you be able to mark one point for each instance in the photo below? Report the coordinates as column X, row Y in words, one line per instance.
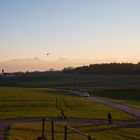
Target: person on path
column 62, row 115
column 109, row 118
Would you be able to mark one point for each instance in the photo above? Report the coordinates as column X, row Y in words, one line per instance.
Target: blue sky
column 71, row 29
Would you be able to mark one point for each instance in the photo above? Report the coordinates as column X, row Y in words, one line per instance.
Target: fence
column 66, row 128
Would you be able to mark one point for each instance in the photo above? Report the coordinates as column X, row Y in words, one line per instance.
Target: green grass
column 24, row 131
column 38, row 102
column 125, row 96
column 73, row 80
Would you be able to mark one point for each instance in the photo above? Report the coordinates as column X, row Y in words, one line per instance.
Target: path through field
column 4, row 124
column 129, row 109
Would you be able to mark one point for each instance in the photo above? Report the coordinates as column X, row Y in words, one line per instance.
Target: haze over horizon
column 74, row 32
column 37, row 64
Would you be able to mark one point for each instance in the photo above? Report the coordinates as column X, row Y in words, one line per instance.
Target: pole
column 43, row 125
column 89, row 137
column 65, row 133
column 52, row 127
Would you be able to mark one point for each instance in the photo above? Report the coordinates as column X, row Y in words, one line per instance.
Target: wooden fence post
column 89, row 137
column 43, row 126
column 52, row 129
column 65, row 133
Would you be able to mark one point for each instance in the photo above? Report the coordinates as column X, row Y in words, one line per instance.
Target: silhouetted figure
column 62, row 115
column 109, row 118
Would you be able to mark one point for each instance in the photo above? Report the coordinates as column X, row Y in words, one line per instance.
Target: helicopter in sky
column 47, row 53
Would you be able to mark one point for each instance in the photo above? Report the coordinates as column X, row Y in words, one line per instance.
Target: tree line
column 105, row 68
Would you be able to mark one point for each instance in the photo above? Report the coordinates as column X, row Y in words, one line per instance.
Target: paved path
column 131, row 110
column 4, row 124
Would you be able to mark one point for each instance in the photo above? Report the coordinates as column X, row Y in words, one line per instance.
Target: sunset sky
column 73, row 31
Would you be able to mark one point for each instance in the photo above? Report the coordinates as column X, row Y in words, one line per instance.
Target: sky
column 77, row 31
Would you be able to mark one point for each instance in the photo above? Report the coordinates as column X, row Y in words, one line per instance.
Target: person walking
column 62, row 115
column 109, row 117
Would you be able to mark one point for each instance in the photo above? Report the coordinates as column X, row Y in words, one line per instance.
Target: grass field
column 38, row 102
column 24, row 131
column 17, row 101
column 125, row 96
column 119, row 88
column 74, row 81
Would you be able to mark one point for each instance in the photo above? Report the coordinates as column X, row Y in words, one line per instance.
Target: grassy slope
column 125, row 96
column 127, row 87
column 120, row 88
column 77, row 81
column 23, row 131
column 33, row 102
